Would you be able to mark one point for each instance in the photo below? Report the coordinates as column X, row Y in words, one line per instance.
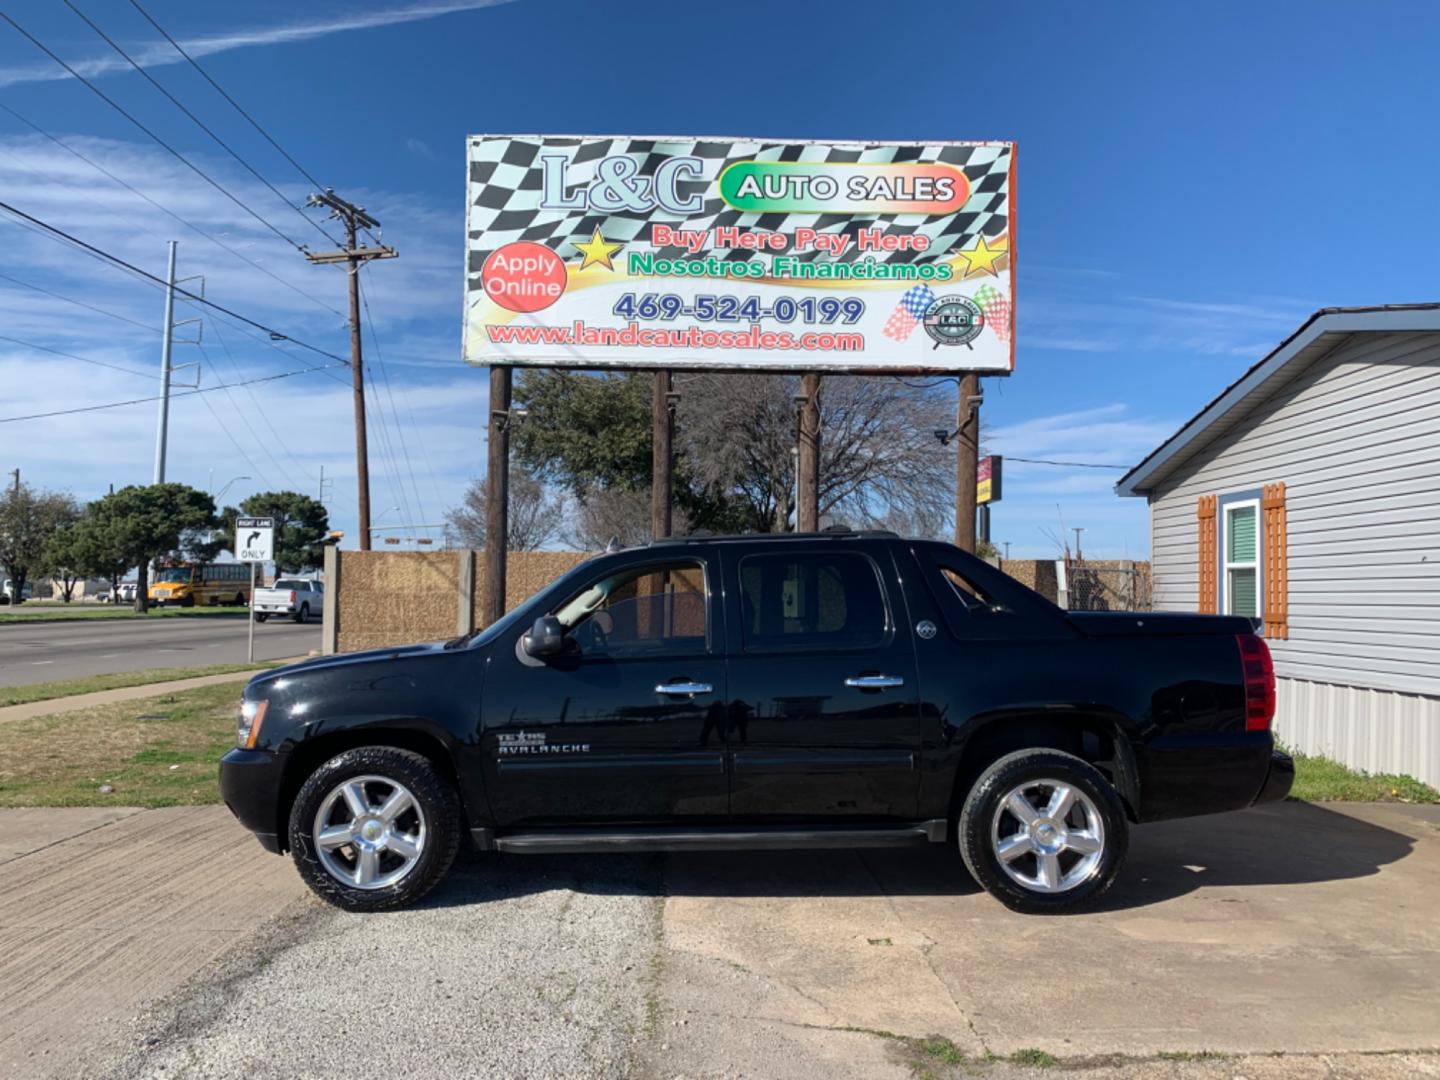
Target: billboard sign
column 989, row 473
column 627, row 252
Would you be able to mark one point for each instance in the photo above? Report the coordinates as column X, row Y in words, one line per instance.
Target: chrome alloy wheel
column 369, row 832
column 1048, row 836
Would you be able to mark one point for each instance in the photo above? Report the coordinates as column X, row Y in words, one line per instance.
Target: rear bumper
column 1278, row 780
column 250, row 785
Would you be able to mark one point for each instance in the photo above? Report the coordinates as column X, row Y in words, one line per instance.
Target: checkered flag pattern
column 506, row 182
column 996, row 307
column 908, row 312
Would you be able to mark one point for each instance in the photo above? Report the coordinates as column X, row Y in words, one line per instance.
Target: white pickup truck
column 296, row 598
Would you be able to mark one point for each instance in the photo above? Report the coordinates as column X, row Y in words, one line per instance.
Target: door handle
column 875, row 682
column 685, row 688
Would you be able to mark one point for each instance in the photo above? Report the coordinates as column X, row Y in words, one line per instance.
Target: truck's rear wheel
column 373, row 828
column 1043, row 831
column 303, row 615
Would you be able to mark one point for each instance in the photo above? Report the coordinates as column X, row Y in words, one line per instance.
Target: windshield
column 181, row 575
column 525, row 610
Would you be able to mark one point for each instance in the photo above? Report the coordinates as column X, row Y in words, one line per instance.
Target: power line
column 156, row 138
column 220, row 90
column 78, row 303
column 244, row 415
column 1066, row 464
column 167, row 211
column 234, row 441
column 405, row 397
column 156, row 397
column 82, row 359
column 259, row 410
column 106, row 256
column 394, row 412
column 197, row 121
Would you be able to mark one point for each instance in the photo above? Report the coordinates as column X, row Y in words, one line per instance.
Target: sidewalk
column 127, row 693
column 106, row 909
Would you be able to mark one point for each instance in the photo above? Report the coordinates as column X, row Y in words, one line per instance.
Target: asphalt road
column 46, row 652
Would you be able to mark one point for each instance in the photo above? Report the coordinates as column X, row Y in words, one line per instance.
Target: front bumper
column 1278, row 780
column 250, row 785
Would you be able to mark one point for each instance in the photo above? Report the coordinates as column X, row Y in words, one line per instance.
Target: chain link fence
column 1107, row 585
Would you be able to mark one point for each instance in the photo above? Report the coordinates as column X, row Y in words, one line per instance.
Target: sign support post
column 967, row 452
column 254, row 544
column 497, row 492
column 662, row 476
column 250, row 629
column 807, row 509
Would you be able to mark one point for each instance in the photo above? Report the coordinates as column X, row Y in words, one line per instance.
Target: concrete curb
column 126, row 693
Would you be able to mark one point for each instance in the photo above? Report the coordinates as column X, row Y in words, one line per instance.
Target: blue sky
column 1192, row 182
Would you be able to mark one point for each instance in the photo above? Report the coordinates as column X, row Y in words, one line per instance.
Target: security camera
column 976, row 400
column 943, row 436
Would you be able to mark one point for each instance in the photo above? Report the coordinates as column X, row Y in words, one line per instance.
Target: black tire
column 303, row 615
column 437, row 799
column 239, row 599
column 978, row 826
column 260, row 616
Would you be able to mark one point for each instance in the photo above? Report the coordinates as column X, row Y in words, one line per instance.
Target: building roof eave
column 1328, row 323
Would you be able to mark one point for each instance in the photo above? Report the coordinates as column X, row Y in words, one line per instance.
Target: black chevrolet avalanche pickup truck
column 840, row 690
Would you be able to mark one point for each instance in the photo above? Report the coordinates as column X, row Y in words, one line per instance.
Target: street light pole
column 162, row 426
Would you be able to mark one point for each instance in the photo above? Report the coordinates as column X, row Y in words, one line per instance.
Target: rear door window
column 811, row 600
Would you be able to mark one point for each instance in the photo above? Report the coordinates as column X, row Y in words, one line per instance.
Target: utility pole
column 1078, row 531
column 16, row 473
column 162, row 428
column 967, row 454
column 662, row 479
column 354, row 218
column 807, row 462
column 497, row 493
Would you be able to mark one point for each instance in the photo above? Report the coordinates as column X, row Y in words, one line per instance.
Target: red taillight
column 1259, row 672
column 292, row 600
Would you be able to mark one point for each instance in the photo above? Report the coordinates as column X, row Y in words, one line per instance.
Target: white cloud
column 161, row 53
column 415, row 302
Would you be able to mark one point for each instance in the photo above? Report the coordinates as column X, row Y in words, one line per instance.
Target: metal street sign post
column 254, row 544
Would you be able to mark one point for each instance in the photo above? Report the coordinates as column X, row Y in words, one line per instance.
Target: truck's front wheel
column 1043, row 831
column 373, row 828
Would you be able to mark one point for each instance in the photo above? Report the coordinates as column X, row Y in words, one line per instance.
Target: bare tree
column 879, row 458
column 617, row 514
column 536, row 514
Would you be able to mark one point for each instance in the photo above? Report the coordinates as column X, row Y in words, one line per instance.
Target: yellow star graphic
column 597, row 250
column 980, row 259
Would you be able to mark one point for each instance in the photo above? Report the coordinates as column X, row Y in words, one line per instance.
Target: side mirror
column 545, row 639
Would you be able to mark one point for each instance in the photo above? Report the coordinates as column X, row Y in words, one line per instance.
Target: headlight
column 247, row 723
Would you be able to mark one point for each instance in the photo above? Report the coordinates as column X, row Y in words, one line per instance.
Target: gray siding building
column 1307, row 495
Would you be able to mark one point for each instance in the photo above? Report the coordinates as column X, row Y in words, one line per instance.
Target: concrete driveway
column 1293, row 930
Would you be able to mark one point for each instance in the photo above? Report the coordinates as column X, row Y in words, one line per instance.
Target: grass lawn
column 160, row 751
column 23, row 695
column 34, row 611
column 1319, row 779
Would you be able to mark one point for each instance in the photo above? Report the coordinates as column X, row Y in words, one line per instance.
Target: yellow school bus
column 212, row 583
